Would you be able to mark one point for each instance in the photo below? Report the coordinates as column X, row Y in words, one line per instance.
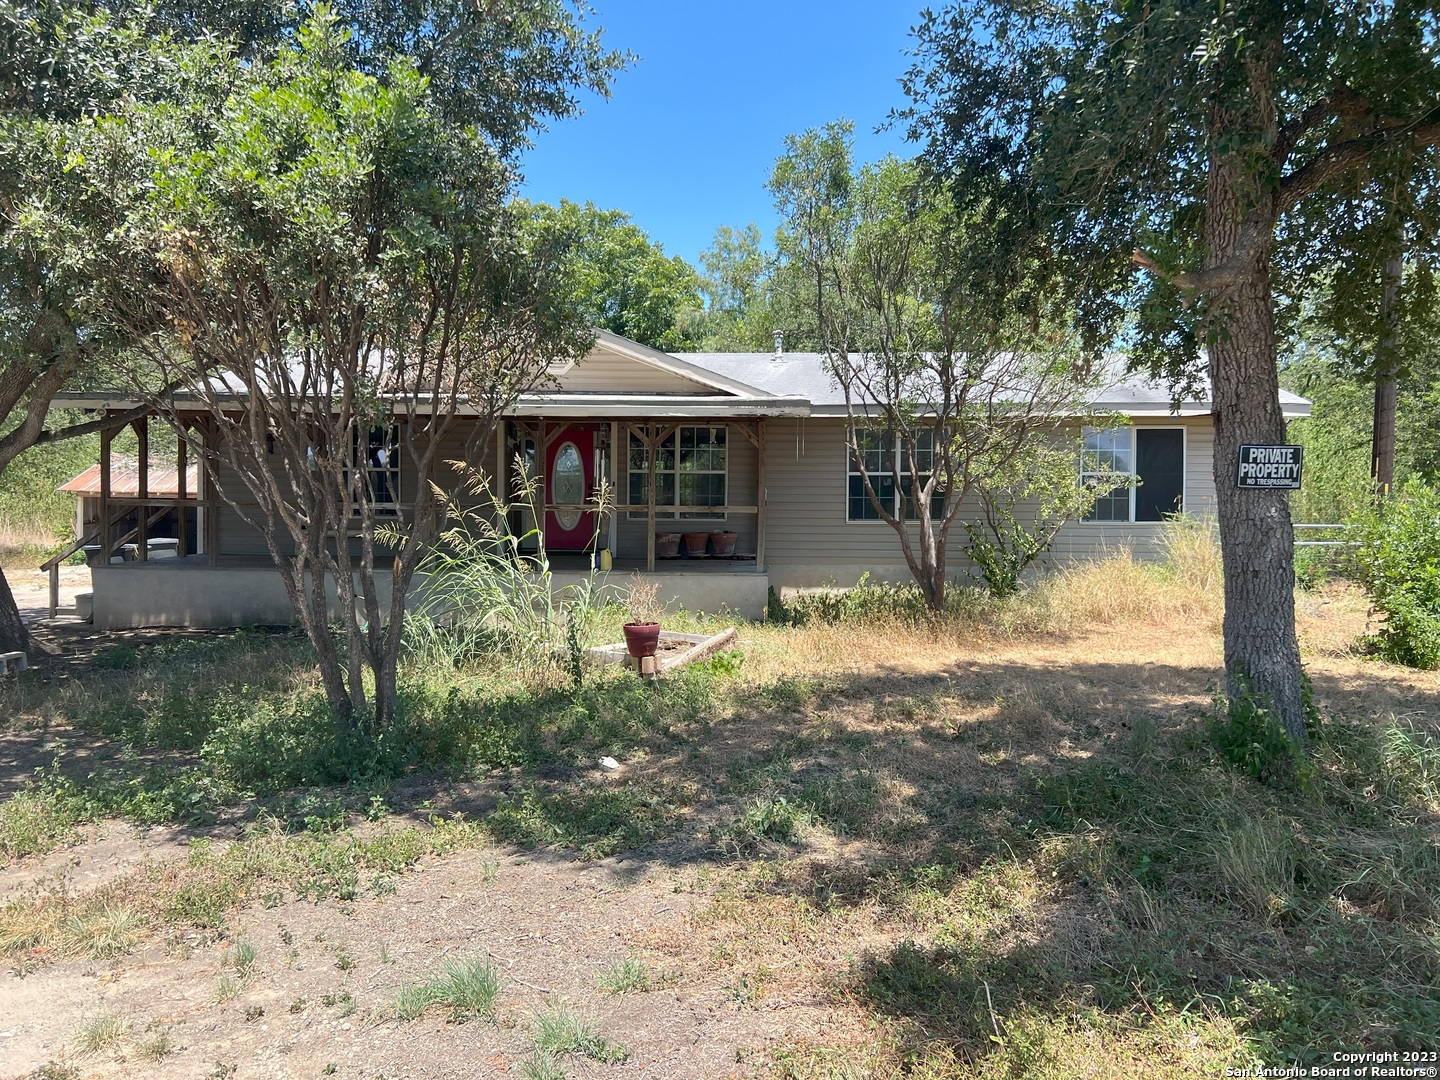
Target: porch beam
column 761, row 497
column 637, row 507
column 135, row 500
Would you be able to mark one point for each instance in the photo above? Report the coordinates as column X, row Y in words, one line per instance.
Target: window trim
column 394, row 472
column 1184, row 470
column 897, row 508
column 660, row 508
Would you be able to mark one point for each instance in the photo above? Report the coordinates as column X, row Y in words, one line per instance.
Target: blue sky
column 687, row 140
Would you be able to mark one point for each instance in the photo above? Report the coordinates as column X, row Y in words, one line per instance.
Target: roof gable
column 617, row 365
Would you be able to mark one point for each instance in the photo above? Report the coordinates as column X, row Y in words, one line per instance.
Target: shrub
column 864, row 600
column 1249, row 734
column 1397, row 560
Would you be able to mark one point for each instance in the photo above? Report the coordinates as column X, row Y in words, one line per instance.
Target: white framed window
column 879, row 450
column 1153, row 456
column 691, row 469
column 376, row 455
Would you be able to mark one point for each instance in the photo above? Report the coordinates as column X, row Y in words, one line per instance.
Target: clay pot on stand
column 667, row 545
column 723, row 543
column 697, row 544
column 641, row 639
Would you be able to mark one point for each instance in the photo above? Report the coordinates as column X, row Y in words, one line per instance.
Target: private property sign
column 1270, row 467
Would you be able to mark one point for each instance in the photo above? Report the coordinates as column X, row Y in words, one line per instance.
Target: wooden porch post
column 142, row 474
column 502, row 494
column 182, row 450
column 760, row 496
column 651, row 452
column 212, row 493
column 106, row 434
column 616, row 461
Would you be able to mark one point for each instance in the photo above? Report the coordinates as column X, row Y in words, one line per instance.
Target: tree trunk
column 1387, row 364
column 1257, row 541
column 14, row 637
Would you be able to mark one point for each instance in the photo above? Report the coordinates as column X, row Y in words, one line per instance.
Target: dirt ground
column 549, row 923
column 31, row 589
column 552, row 923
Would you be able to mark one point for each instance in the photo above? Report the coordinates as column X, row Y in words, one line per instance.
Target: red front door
column 570, row 481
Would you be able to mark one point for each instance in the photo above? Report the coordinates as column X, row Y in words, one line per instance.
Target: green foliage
column 483, row 596
column 1398, row 563
column 620, row 280
column 595, row 822
column 771, row 818
column 864, row 600
column 1026, row 496
column 749, row 294
column 38, row 819
column 624, row 976
column 949, row 390
column 1249, row 734
column 560, row 1029
column 30, row 507
column 1336, row 438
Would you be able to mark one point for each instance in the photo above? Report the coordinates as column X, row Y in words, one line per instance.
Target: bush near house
column 1397, row 560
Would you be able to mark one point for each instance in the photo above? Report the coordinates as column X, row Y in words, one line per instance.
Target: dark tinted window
column 1160, row 468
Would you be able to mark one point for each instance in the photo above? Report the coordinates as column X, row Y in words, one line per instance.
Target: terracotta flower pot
column 642, row 639
column 723, row 542
column 667, row 545
column 696, row 544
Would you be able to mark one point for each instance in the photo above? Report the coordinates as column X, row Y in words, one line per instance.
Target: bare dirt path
column 550, row 924
column 31, row 589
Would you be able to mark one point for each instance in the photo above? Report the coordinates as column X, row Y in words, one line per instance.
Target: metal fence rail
column 1322, row 543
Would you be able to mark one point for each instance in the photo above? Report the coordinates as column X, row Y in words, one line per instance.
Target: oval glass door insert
column 567, row 484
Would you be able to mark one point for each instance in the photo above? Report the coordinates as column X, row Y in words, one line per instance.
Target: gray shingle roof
column 803, row 374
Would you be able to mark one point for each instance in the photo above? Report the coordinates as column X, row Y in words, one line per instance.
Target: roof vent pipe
column 779, row 344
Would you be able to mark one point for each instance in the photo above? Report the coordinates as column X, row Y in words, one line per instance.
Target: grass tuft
column 542, row 1066
column 560, row 1029
column 100, row 1032
column 467, row 987
column 624, row 976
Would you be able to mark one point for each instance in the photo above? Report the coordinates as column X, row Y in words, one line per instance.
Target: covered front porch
column 683, row 477
column 678, row 489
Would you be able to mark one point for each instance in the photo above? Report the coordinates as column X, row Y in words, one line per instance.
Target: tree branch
column 1230, row 271
column 1334, row 160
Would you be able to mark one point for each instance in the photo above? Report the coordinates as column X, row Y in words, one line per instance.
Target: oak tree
column 1182, row 139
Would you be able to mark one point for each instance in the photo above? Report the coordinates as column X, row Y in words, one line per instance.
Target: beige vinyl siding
column 1145, row 539
column 610, row 373
column 809, row 541
column 237, row 537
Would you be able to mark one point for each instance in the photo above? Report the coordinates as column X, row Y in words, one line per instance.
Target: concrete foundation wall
column 176, row 593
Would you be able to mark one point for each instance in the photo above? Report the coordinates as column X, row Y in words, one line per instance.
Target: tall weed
column 483, row 594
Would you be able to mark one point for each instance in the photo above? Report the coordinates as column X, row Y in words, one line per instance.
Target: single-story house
column 749, row 448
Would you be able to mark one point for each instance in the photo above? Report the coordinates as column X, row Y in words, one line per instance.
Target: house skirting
column 190, row 592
